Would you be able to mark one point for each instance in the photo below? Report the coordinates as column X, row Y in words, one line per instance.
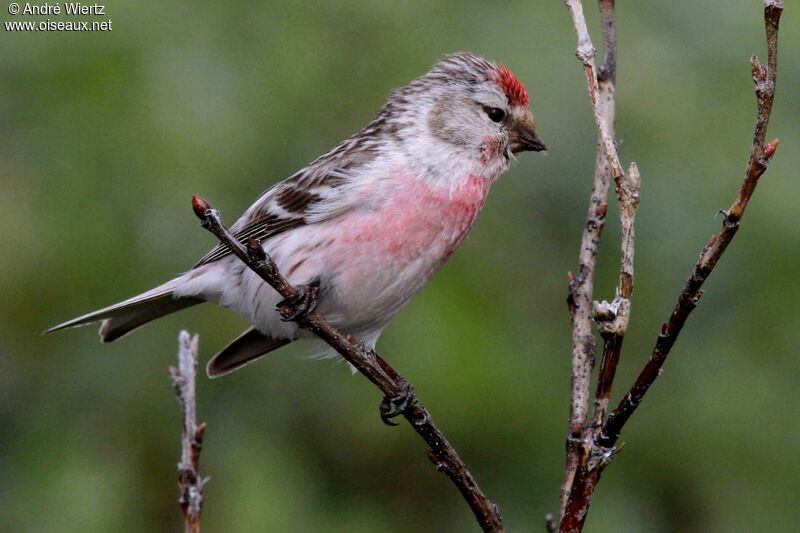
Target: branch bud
column 769, row 149
column 200, row 206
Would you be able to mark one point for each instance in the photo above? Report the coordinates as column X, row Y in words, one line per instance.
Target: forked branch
column 602, row 91
column 761, row 153
column 591, row 449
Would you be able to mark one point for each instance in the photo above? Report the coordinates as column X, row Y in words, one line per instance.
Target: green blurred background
column 105, row 136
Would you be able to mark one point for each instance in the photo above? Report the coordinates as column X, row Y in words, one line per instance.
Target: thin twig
column 398, row 393
column 189, row 480
column 585, row 53
column 613, row 317
column 601, row 91
column 606, row 77
column 760, row 156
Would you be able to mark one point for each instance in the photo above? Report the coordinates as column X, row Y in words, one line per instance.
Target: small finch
column 368, row 223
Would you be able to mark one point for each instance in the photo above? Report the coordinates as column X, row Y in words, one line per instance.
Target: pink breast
column 416, row 218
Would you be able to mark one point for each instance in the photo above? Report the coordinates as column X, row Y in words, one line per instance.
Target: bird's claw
column 302, row 306
column 394, row 406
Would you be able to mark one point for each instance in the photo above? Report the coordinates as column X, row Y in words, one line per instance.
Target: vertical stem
column 189, row 480
column 602, row 93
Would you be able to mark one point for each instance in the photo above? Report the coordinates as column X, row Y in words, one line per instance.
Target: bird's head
column 480, row 106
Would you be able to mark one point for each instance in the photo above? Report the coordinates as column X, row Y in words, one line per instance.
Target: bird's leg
column 404, row 399
column 299, row 308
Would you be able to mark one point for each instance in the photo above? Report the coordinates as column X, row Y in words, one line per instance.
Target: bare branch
column 613, row 317
column 590, row 450
column 585, row 52
column 760, row 156
column 189, row 480
column 601, row 91
column 608, row 70
column 399, row 396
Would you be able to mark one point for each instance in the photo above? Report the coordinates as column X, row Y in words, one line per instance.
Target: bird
column 368, row 223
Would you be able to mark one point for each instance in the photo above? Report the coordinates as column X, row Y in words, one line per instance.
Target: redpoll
column 369, row 222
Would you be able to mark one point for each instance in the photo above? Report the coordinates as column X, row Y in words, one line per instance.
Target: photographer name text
column 66, row 8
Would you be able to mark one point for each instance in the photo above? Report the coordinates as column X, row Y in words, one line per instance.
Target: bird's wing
column 322, row 190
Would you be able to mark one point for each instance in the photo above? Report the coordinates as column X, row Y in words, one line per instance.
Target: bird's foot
column 298, row 309
column 404, row 399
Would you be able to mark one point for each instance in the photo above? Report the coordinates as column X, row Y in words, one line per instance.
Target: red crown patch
column 511, row 86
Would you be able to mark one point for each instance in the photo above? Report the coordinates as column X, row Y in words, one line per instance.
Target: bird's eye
column 495, row 114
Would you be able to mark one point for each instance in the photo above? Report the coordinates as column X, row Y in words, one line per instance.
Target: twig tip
column 200, row 206
column 773, row 4
column 549, row 523
column 200, row 432
column 634, row 178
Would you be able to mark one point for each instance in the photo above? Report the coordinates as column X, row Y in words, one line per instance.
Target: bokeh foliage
column 105, row 136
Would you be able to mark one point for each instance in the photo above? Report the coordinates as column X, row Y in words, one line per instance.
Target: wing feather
column 316, row 193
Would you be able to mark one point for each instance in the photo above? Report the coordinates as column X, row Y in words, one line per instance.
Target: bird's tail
column 122, row 318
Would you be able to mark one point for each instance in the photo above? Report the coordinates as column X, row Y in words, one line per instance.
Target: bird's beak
column 524, row 139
